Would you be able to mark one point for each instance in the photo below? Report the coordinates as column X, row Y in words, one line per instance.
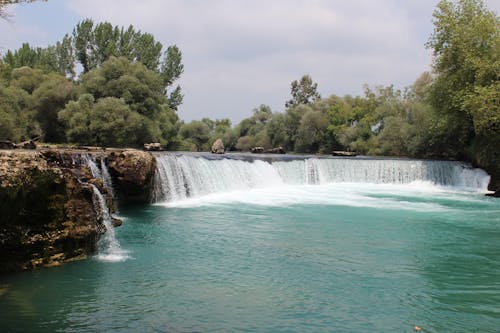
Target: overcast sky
column 238, row 54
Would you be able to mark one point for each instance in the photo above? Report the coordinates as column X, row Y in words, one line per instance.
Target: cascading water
column 180, row 177
column 109, row 247
column 100, row 172
column 106, row 177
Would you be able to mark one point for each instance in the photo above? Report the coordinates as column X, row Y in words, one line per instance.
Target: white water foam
column 342, row 194
column 184, row 180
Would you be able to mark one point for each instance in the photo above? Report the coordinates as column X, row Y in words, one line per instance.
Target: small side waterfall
column 100, row 172
column 109, row 247
column 106, row 178
column 182, row 176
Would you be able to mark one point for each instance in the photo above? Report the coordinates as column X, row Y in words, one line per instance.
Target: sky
column 239, row 54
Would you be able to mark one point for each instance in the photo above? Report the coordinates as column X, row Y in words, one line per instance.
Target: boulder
column 257, row 150
column 154, row 146
column 276, row 150
column 133, row 175
column 218, row 147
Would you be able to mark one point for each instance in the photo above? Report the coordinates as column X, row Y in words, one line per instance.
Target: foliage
column 108, row 122
column 466, row 47
column 91, row 45
column 197, row 133
column 303, row 92
column 15, row 114
column 49, row 98
column 122, row 103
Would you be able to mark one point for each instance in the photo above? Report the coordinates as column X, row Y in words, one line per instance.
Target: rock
column 116, row 222
column 257, row 150
column 133, row 175
column 494, row 185
column 218, row 147
column 344, row 153
column 6, row 144
column 155, row 146
column 48, row 214
column 276, row 150
column 26, row 145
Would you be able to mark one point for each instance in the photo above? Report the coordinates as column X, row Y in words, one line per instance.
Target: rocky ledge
column 49, row 212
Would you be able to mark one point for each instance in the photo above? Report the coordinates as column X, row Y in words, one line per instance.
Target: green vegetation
column 126, row 96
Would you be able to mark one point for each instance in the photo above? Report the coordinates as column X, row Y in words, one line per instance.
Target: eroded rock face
column 133, row 173
column 47, row 212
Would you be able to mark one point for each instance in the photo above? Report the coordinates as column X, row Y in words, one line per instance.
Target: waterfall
column 181, row 176
column 106, row 178
column 109, row 247
column 94, row 169
column 100, row 172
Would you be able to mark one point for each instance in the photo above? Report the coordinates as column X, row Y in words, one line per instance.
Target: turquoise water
column 323, row 258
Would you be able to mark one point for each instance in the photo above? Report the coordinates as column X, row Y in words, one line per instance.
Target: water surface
column 294, row 258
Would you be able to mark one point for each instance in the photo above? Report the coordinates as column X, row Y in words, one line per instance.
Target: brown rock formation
column 133, row 174
column 48, row 210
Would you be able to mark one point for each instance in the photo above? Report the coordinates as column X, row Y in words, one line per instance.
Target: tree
column 311, row 132
column 128, row 91
column 303, row 92
column 49, row 98
column 466, row 48
column 16, row 118
column 108, row 122
column 197, row 132
column 94, row 44
column 170, row 71
column 138, row 86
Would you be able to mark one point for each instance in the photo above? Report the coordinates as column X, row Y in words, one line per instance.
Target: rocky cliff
column 49, row 213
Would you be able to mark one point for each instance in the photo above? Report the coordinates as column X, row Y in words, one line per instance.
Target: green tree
column 27, row 78
column 466, row 47
column 16, row 118
column 118, row 82
column 171, row 70
column 311, row 132
column 196, row 132
column 107, row 122
column 138, row 86
column 49, row 98
column 303, row 92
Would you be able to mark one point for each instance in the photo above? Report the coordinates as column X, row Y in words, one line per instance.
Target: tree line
column 126, row 96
